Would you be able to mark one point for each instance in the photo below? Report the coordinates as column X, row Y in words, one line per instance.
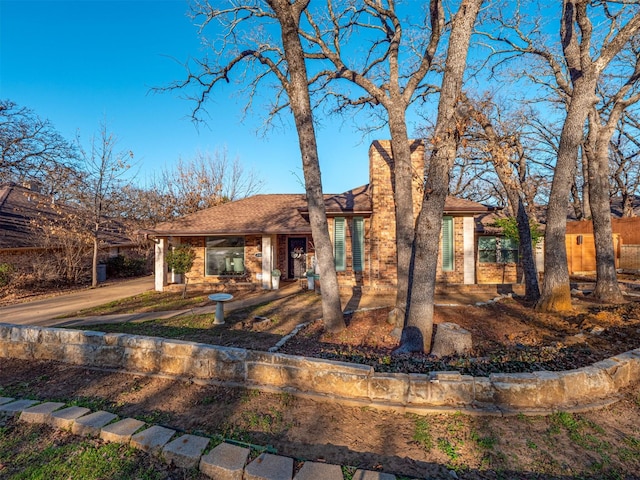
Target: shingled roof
column 21, row 208
column 280, row 214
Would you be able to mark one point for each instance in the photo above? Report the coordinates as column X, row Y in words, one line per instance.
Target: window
column 339, row 244
column 357, row 244
column 447, row 244
column 224, row 256
column 497, row 250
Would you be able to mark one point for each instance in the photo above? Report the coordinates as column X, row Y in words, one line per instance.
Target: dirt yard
column 508, row 336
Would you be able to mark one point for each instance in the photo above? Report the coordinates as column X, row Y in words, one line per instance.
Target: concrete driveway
column 42, row 312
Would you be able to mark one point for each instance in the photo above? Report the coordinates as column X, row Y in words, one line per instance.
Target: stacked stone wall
column 539, row 392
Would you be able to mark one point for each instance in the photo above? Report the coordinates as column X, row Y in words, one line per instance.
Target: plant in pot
column 180, row 260
column 275, row 278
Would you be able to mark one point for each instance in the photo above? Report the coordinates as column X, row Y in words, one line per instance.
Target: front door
column 297, row 249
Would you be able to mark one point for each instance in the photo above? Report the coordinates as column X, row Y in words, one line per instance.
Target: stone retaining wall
column 536, row 392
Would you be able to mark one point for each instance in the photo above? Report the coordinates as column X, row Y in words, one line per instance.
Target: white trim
column 268, row 259
column 160, row 264
column 468, row 242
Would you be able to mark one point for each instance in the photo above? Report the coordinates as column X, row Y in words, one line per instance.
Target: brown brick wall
column 382, row 248
column 497, row 272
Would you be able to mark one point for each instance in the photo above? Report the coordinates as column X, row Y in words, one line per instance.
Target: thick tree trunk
column 531, row 287
column 607, row 287
column 556, row 292
column 297, row 89
column 402, row 180
column 576, row 34
column 586, row 188
column 418, row 329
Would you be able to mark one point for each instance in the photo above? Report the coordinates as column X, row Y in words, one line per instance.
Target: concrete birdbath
column 220, row 298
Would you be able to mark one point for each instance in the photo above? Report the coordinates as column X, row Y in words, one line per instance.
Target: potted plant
column 275, row 278
column 180, row 260
column 309, row 274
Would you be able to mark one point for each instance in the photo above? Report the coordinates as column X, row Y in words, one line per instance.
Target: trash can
column 102, row 273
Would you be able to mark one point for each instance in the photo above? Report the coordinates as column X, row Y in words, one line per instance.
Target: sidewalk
column 267, row 296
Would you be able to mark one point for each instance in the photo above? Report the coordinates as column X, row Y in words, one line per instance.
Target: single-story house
column 24, row 210
column 242, row 242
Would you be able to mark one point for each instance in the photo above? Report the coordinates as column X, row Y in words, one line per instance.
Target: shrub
column 6, row 272
column 121, row 266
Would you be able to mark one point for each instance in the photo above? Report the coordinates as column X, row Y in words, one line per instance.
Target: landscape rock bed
column 508, row 337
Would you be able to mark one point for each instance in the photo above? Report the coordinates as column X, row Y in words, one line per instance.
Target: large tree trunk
column 576, row 34
column 416, row 336
column 607, row 287
column 401, row 176
column 556, row 291
column 586, row 188
column 297, row 89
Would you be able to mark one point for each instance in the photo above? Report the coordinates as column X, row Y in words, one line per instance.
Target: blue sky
column 79, row 62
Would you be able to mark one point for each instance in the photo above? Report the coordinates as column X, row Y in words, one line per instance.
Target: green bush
column 180, row 258
column 6, row 272
column 122, row 266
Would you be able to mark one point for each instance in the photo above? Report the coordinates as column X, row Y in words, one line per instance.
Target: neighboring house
column 241, row 242
column 23, row 213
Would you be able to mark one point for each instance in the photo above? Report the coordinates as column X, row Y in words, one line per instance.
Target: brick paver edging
column 351, row 384
column 222, row 462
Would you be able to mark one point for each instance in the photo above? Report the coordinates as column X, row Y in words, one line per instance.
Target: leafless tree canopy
column 32, row 150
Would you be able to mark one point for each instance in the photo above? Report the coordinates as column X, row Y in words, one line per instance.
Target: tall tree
column 603, row 120
column 284, row 60
column 506, row 154
column 104, row 171
column 450, row 122
column 391, row 75
column 572, row 76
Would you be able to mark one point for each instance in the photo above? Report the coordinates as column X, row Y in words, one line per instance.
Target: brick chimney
column 383, row 220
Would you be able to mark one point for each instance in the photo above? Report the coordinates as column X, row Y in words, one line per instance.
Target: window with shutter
column 447, row 244
column 339, row 250
column 357, row 247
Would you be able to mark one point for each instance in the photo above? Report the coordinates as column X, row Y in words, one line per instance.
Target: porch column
column 468, row 242
column 268, row 247
column 160, row 264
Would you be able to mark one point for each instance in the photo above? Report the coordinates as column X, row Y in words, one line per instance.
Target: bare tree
column 507, row 156
column 616, row 93
column 573, row 77
column 246, row 25
column 392, row 75
column 104, row 171
column 31, row 149
column 205, row 181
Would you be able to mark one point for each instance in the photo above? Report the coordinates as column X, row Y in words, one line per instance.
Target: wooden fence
column 581, row 252
column 630, row 257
